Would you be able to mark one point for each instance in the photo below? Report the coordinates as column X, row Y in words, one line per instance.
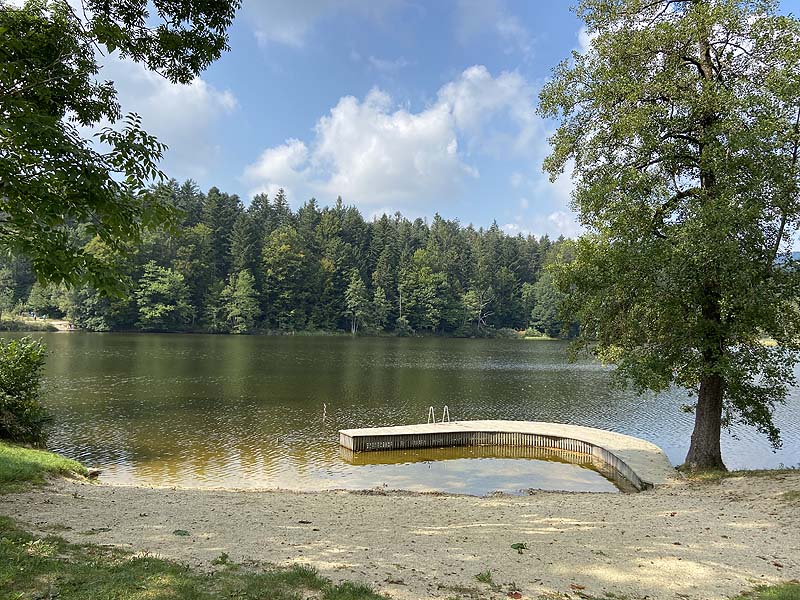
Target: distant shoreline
column 53, row 325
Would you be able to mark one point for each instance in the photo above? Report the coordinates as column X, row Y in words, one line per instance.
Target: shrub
column 22, row 418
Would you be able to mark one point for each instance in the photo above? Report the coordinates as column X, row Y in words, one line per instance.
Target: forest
column 224, row 267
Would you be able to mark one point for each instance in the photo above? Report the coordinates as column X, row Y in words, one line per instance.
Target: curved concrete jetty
column 641, row 463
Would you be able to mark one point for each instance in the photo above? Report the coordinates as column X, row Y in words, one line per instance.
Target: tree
column 22, row 418
column 220, row 214
column 476, row 303
column 356, row 301
column 240, row 300
column 546, row 314
column 52, row 178
column 215, row 317
column 162, row 297
column 285, row 267
column 380, row 309
column 682, row 123
column 194, row 259
column 6, row 290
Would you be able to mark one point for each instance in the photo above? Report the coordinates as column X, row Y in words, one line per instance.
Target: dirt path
column 683, row 541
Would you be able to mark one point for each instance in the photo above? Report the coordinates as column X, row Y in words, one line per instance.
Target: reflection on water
column 247, row 411
column 510, row 472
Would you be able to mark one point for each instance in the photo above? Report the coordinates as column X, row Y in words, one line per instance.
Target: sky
column 396, row 105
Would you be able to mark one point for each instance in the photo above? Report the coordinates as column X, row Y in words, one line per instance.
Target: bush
column 507, row 332
column 22, row 418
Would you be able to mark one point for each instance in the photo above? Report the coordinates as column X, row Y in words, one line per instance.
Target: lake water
column 263, row 412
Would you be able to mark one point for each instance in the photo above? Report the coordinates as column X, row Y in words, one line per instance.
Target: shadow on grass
column 32, row 567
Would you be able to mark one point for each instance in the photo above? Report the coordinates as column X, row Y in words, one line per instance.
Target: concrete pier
column 641, row 463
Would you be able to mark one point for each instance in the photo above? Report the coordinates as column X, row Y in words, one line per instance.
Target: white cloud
column 289, row 23
column 499, row 112
column 282, row 166
column 179, row 115
column 375, row 153
column 585, row 39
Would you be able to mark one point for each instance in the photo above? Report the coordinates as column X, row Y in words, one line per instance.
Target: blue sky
column 410, row 105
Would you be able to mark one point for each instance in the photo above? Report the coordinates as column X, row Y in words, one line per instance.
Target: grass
column 787, row 591
column 50, row 567
column 22, row 467
column 791, row 496
column 33, row 567
column 485, row 577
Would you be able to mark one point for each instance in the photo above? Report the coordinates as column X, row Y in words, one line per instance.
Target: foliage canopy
column 22, row 418
column 51, row 177
column 681, row 125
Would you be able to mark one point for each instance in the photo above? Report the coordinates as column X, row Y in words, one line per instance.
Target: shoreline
column 685, row 539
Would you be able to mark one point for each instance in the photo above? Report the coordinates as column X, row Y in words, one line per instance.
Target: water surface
column 248, row 411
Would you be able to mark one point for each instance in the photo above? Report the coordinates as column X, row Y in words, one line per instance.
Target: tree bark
column 704, row 451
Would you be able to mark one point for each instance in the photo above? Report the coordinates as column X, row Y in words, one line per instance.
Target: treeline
column 227, row 268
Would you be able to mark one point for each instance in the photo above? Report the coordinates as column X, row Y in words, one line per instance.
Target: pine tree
column 220, row 212
column 356, row 301
column 240, row 302
column 245, row 246
column 380, row 309
column 285, row 265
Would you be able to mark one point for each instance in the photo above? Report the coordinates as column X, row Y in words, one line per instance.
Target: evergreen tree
column 220, row 212
column 380, row 309
column 285, row 267
column 356, row 301
column 245, row 245
column 240, row 302
column 215, row 317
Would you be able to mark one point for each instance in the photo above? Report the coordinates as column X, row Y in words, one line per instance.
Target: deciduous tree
column 681, row 127
column 50, row 176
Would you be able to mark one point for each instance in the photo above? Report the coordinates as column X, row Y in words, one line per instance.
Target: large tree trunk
column 704, row 451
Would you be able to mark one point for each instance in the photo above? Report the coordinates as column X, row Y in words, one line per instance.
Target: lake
column 263, row 412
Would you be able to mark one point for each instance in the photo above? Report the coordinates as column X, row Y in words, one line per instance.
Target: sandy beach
column 680, row 541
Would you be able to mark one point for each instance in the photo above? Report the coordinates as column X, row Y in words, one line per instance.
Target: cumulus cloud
column 585, row 39
column 498, row 112
column 284, row 166
column 179, row 115
column 289, row 23
column 375, row 153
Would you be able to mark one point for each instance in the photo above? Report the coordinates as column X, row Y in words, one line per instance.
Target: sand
column 679, row 541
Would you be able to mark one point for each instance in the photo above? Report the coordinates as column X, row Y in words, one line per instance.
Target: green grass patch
column 791, row 496
column 787, row 591
column 32, row 567
column 22, row 467
column 485, row 577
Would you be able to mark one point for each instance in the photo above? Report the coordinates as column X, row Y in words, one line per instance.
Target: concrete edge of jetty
column 639, row 462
